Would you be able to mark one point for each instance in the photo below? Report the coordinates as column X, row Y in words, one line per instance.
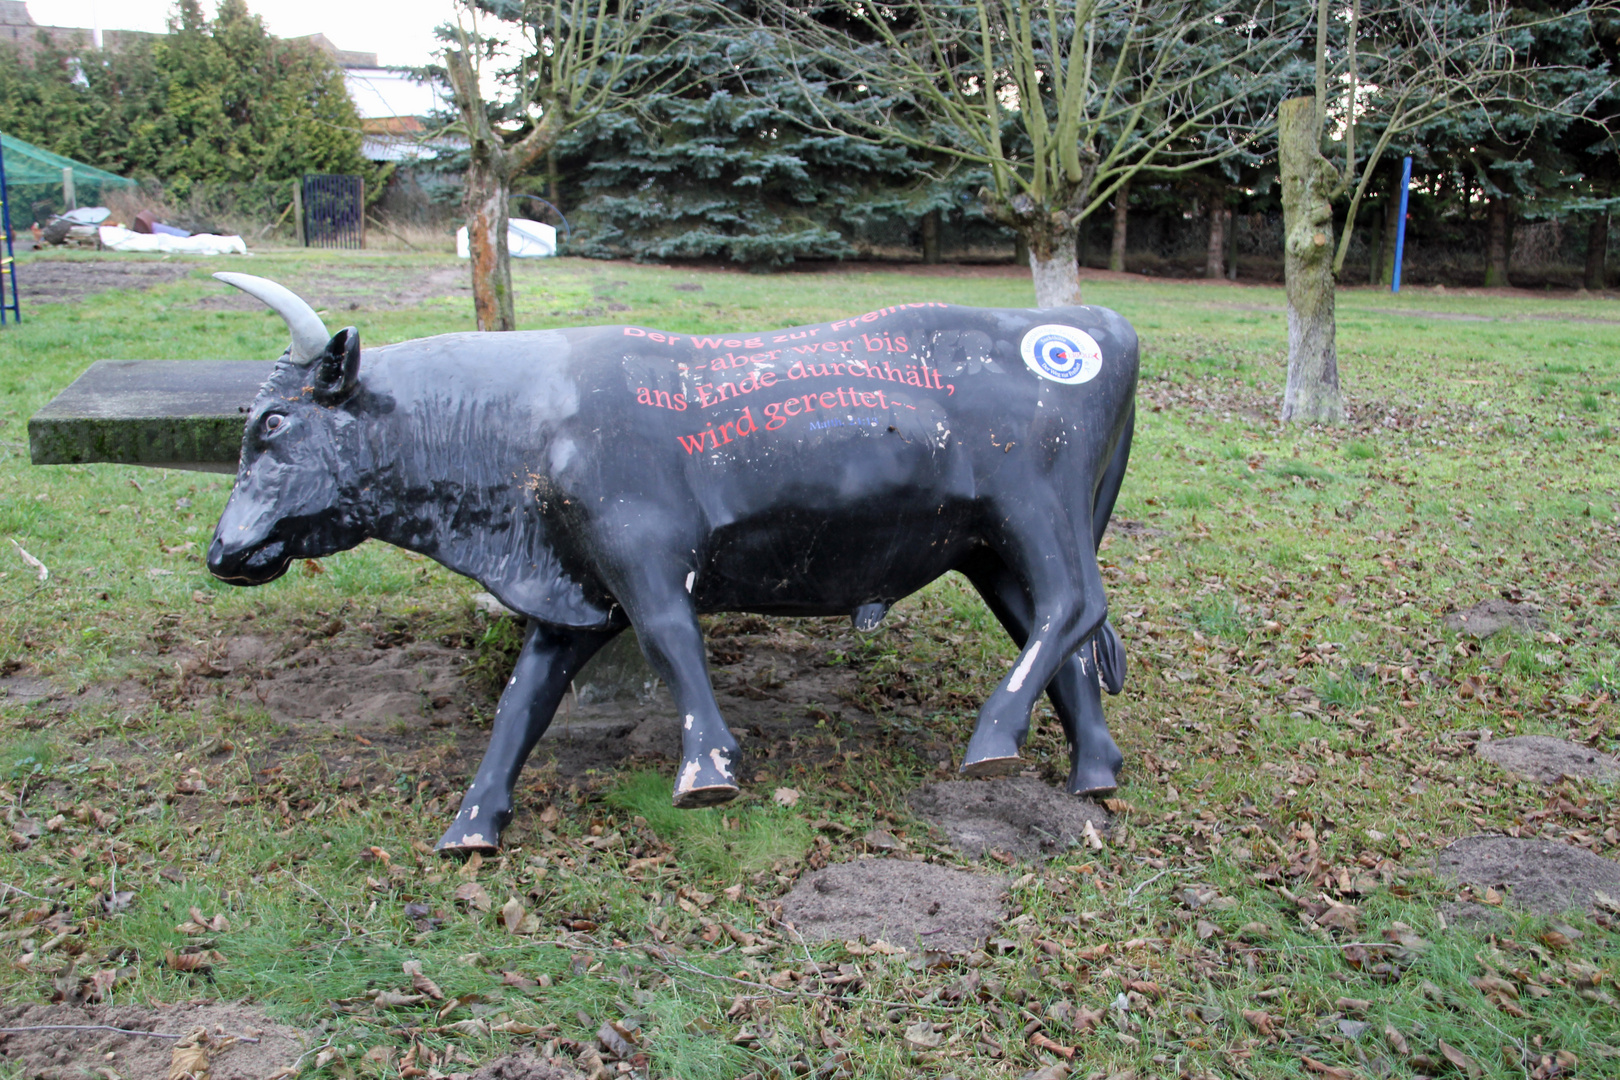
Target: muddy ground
column 68, row 1042
column 917, row 906
column 373, row 701
column 51, row 281
column 382, row 287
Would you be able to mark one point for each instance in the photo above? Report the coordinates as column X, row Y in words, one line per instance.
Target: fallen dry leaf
column 473, row 895
column 420, row 982
column 1331, row 1072
column 1261, row 1020
column 189, row 1059
column 34, row 564
column 517, row 918
column 193, row 961
column 1460, row 1059
column 1041, row 1042
column 786, row 796
column 923, row 1036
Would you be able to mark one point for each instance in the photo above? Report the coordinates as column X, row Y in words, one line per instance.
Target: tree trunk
column 1215, row 254
column 1597, row 250
column 1116, row 252
column 1496, row 258
column 1052, row 265
column 1392, row 225
column 930, row 237
column 1312, row 395
column 487, row 196
column 1231, row 246
column 1375, row 253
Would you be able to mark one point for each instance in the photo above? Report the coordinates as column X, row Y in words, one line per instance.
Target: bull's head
column 287, row 502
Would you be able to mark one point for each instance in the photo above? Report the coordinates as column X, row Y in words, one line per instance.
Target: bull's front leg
column 1094, row 758
column 1061, row 577
column 550, row 658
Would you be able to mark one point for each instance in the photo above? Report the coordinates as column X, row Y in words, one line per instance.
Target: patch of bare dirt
column 910, row 904
column 357, row 695
column 525, row 1065
column 1549, row 760
column 1492, row 616
column 52, row 281
column 370, row 288
column 1543, row 876
column 1018, row 815
column 57, row 1054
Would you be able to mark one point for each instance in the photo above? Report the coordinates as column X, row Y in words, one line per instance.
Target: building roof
column 346, row 58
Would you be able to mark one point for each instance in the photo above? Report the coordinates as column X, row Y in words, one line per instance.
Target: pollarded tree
column 1060, row 102
column 574, row 60
column 1397, row 68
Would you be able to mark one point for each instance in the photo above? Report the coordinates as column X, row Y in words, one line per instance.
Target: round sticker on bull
column 1062, row 354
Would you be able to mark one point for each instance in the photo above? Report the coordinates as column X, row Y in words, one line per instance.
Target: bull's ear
column 337, row 369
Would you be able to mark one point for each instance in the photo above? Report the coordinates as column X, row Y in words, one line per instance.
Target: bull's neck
column 436, row 484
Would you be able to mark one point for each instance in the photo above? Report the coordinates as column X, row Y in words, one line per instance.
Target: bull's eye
column 272, row 423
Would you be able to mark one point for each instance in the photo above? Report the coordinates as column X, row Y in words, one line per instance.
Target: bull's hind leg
column 1094, row 760
column 1058, row 571
column 550, row 659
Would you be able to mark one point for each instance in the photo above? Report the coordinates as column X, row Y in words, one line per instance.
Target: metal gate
column 334, row 211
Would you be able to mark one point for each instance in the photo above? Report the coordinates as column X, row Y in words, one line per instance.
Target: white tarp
column 114, row 238
column 525, row 239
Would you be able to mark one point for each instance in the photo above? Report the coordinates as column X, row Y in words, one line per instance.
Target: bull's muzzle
column 254, row 564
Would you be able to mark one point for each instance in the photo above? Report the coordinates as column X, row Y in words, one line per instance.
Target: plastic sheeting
column 116, row 238
column 525, row 239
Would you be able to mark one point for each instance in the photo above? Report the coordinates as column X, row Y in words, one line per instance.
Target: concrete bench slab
column 173, row 414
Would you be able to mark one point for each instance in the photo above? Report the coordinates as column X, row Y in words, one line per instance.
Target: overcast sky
column 399, row 31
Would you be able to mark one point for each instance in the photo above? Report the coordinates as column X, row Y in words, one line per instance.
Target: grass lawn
column 1298, row 727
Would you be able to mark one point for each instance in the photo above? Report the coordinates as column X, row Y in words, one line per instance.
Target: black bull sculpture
column 600, row 478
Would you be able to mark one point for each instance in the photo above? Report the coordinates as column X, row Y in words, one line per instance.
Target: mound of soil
column 910, row 904
column 51, row 281
column 1541, row 875
column 62, row 1054
column 1543, row 758
column 1017, row 814
column 1493, row 616
column 524, row 1065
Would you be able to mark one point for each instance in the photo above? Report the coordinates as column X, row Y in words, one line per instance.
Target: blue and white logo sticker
column 1062, row 354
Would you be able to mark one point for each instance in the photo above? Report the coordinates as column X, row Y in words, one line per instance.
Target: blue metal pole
column 1400, row 224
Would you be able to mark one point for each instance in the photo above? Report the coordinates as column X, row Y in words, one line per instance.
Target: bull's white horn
column 309, row 336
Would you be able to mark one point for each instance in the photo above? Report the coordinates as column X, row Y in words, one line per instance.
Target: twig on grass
column 6, row 886
column 1131, row 898
column 350, row 934
column 109, row 1027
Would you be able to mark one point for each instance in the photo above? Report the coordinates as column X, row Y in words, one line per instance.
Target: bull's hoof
column 706, row 779
column 477, row 827
column 995, row 766
column 460, row 842
column 993, row 751
column 1090, row 789
column 697, row 798
column 1096, row 776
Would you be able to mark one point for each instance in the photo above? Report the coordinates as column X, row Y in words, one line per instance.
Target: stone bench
column 171, row 414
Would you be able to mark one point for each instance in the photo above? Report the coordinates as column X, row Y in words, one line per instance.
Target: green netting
column 34, row 175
